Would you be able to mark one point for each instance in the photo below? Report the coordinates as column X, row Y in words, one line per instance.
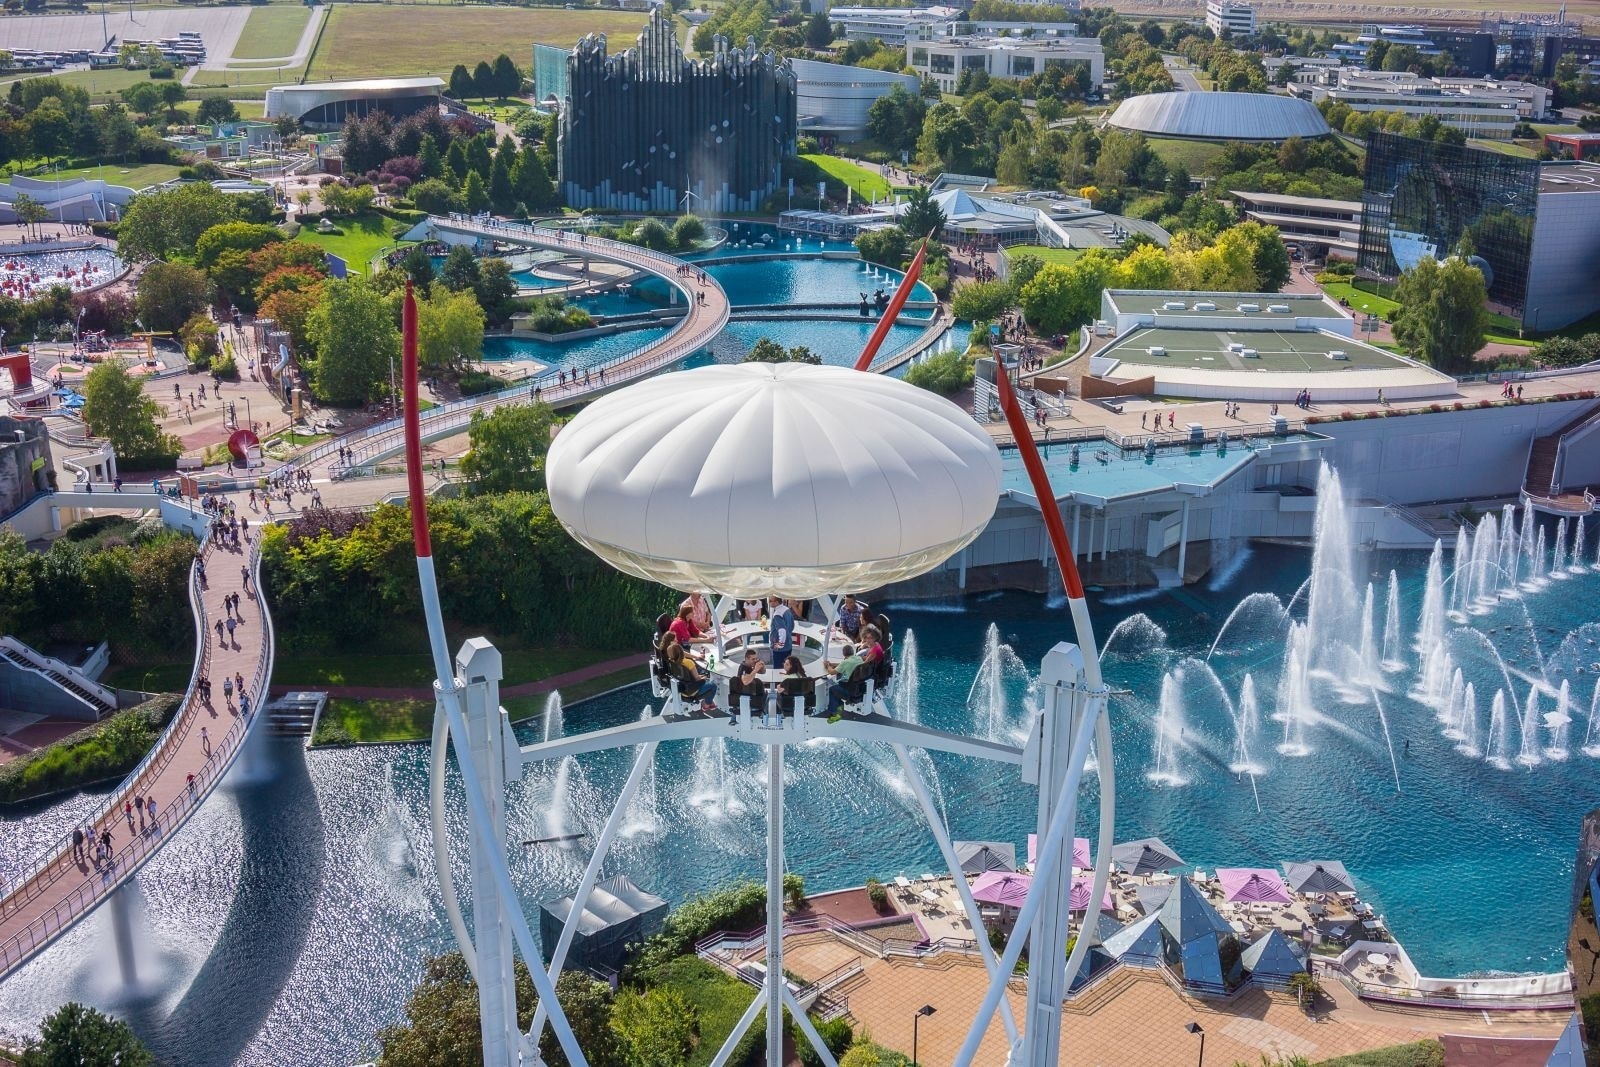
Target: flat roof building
column 832, row 100
column 1005, row 58
column 1533, row 228
column 1226, row 18
column 1478, row 107
column 1331, row 225
column 326, row 105
column 891, row 25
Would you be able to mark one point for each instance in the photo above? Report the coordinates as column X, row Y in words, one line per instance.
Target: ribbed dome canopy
column 781, row 478
column 1220, row 116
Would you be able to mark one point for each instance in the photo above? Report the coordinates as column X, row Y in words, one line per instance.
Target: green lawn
column 1194, row 155
column 364, row 236
column 1049, row 255
column 250, row 109
column 135, row 177
column 245, row 82
column 360, row 40
column 1505, row 148
column 272, row 32
column 867, row 184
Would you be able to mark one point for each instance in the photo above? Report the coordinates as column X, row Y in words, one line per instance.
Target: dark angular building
column 1583, row 50
column 642, row 129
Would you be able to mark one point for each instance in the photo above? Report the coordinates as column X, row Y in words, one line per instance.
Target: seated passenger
column 684, row 629
column 692, row 682
column 794, row 684
column 843, row 678
column 750, row 682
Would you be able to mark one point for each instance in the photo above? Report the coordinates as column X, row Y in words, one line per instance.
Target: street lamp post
column 1195, row 1028
column 250, row 422
column 926, row 1009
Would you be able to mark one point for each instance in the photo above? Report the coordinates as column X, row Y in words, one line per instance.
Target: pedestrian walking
column 244, row 705
column 127, row 813
column 205, row 746
column 244, row 576
column 150, row 810
column 231, row 624
column 227, row 690
column 190, row 779
column 138, row 805
column 219, row 632
column 77, row 844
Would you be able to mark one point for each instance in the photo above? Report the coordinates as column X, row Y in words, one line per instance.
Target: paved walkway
column 190, row 759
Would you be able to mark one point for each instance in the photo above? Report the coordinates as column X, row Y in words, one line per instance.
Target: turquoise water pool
column 809, row 280
column 838, row 343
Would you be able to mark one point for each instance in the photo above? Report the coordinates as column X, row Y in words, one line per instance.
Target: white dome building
column 785, row 479
column 1220, row 116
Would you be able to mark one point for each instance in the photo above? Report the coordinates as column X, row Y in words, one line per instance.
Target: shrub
column 794, row 890
column 474, row 382
column 945, row 373
column 877, row 894
column 108, row 749
column 835, row 1033
column 552, row 314
column 332, row 732
column 740, row 906
column 981, row 300
column 225, row 367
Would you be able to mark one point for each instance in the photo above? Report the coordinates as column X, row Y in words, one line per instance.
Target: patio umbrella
column 1319, row 876
column 61, row 392
column 1145, row 856
column 976, row 857
column 1078, row 899
column 1002, row 887
column 73, row 401
column 1080, row 851
column 1252, row 885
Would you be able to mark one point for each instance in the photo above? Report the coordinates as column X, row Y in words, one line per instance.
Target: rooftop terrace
column 1223, row 305
column 1274, row 351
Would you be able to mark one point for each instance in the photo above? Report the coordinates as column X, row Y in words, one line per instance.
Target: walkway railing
column 59, row 862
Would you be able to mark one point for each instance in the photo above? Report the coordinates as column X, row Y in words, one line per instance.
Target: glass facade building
column 549, row 72
column 1424, row 199
column 649, row 130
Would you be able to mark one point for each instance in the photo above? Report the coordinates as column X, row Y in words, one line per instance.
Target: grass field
column 1049, row 255
column 272, row 31
column 364, row 236
column 101, row 85
column 1505, row 148
column 135, row 177
column 866, row 183
column 250, row 109
column 244, row 82
column 1502, row 330
column 1194, row 155
column 360, row 40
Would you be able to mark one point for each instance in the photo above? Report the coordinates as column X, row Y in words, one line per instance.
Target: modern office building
column 1325, row 227
column 1585, row 50
column 1006, row 58
column 325, row 105
column 891, row 25
column 1478, row 107
column 1225, row 18
column 650, row 130
column 1470, row 52
column 1534, row 228
column 1520, row 41
column 832, row 100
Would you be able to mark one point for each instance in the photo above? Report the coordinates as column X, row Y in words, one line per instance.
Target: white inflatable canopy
column 787, row 478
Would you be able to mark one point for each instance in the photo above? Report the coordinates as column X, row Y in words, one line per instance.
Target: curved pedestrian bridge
column 708, row 309
column 179, row 772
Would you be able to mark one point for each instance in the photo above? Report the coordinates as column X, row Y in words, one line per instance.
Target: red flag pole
column 864, row 361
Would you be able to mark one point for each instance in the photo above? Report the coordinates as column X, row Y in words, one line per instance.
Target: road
column 1182, row 74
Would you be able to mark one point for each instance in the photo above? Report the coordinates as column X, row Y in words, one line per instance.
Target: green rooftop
column 1224, row 305
column 1276, row 351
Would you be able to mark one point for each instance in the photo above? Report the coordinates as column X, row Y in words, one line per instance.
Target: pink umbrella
column 1001, row 887
column 1080, row 851
column 1078, row 900
column 1252, row 885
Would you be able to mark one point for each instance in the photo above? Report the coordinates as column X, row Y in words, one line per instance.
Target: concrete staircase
column 1539, row 482
column 100, row 700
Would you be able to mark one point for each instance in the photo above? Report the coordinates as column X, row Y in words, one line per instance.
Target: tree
column 172, row 94
column 240, row 236
column 473, row 194
column 1442, row 319
column 430, row 159
column 1268, row 256
column 895, row 120
column 167, row 223
column 531, row 181
column 1064, row 296
column 496, row 290
column 79, row 1036
column 433, row 196
column 819, row 31
column 348, row 199
column 418, row 266
column 443, row 1024
column 449, row 329
column 30, row 211
column 291, row 309
column 981, row 301
column 502, row 197
column 169, row 293
column 922, row 215
column 455, row 159
column 483, row 83
column 507, row 78
column 886, row 247
column 506, row 449
column 460, row 269
column 766, row 350
column 479, row 160
column 199, row 336
column 656, row 1028
column 116, row 408
column 944, row 373
column 460, row 82
column 215, row 109
column 354, row 334
column 143, row 97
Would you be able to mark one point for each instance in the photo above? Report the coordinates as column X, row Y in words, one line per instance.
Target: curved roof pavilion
column 785, row 479
column 1220, row 116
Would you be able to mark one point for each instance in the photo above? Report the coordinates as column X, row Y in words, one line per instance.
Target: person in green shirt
column 839, row 673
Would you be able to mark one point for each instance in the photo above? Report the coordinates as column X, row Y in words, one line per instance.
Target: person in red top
column 684, row 628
